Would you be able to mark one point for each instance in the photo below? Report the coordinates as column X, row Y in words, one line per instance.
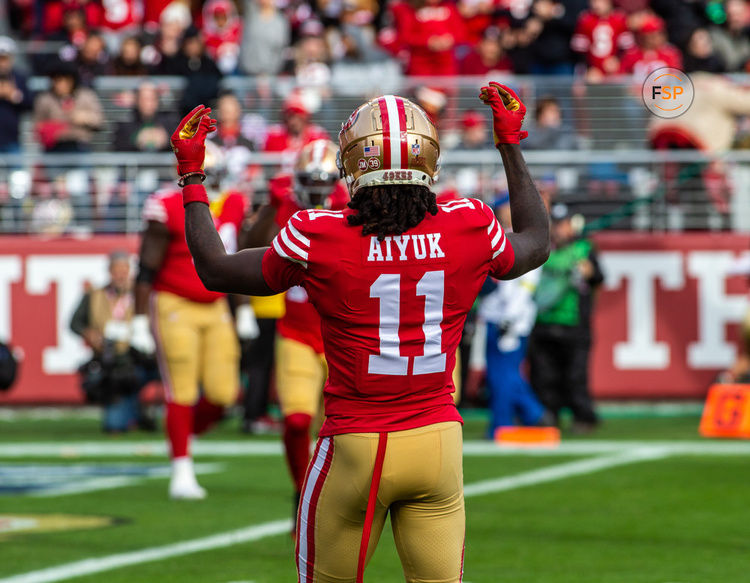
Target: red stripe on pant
column 372, row 499
column 311, row 508
column 385, row 122
column 304, row 488
column 463, row 552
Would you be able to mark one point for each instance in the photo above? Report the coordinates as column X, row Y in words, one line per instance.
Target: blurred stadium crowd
column 428, row 37
column 111, row 76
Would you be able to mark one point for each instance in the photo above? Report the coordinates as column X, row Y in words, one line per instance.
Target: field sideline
column 645, row 500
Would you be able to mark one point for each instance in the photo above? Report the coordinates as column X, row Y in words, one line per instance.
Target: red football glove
column 507, row 113
column 189, row 141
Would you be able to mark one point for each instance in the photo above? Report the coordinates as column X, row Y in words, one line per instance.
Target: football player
column 392, row 277
column 193, row 333
column 300, row 364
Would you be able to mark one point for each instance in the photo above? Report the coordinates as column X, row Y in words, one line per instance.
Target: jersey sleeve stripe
column 154, row 210
column 280, row 250
column 291, row 245
column 501, row 249
column 297, row 235
column 497, row 237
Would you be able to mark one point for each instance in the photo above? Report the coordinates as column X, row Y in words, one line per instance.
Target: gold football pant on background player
column 300, row 375
column 197, row 346
column 421, row 485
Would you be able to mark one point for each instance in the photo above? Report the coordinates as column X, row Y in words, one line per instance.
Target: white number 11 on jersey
column 387, row 288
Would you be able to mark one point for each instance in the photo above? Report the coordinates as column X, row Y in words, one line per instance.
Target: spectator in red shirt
column 478, row 17
column 121, row 16
column 488, row 58
column 429, row 31
column 652, row 51
column 295, row 131
column 222, row 30
column 474, row 132
column 152, row 12
column 600, row 35
column 56, row 13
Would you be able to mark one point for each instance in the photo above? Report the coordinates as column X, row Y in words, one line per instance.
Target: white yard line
column 268, row 529
column 98, row 565
column 85, row 449
column 561, row 471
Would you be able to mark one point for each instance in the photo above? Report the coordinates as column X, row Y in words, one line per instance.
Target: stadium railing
column 614, row 180
column 624, row 189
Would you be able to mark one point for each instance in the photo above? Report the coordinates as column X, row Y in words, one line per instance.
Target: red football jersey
column 279, row 139
column 300, row 321
column 119, row 14
column 392, row 311
column 642, row 63
column 601, row 37
column 177, row 274
column 414, row 29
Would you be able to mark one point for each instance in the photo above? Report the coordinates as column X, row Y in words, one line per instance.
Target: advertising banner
column 665, row 322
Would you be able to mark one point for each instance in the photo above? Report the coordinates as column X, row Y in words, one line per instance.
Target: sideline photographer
column 115, row 375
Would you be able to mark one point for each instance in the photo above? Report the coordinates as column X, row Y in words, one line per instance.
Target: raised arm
column 530, row 236
column 239, row 273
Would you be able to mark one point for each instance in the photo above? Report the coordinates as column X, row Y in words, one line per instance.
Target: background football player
column 300, row 364
column 392, row 278
column 193, row 332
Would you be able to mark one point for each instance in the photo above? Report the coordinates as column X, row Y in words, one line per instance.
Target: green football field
column 643, row 500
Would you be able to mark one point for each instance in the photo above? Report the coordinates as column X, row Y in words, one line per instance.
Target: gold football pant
column 196, row 345
column 344, row 504
column 300, row 375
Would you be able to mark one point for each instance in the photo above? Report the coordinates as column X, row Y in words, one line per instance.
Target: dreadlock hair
column 391, row 209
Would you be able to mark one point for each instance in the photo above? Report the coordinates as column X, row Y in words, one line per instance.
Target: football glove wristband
column 194, row 193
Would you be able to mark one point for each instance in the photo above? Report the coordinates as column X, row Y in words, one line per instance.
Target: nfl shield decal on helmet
column 415, row 149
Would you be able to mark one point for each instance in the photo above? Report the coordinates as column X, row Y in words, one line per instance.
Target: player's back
column 177, row 274
column 393, row 310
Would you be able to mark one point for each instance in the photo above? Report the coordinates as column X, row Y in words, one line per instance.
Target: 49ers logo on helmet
column 350, row 122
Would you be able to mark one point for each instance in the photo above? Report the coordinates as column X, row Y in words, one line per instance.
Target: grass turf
column 681, row 519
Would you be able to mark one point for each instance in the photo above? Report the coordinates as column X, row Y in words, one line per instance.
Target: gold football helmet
column 315, row 173
column 388, row 140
